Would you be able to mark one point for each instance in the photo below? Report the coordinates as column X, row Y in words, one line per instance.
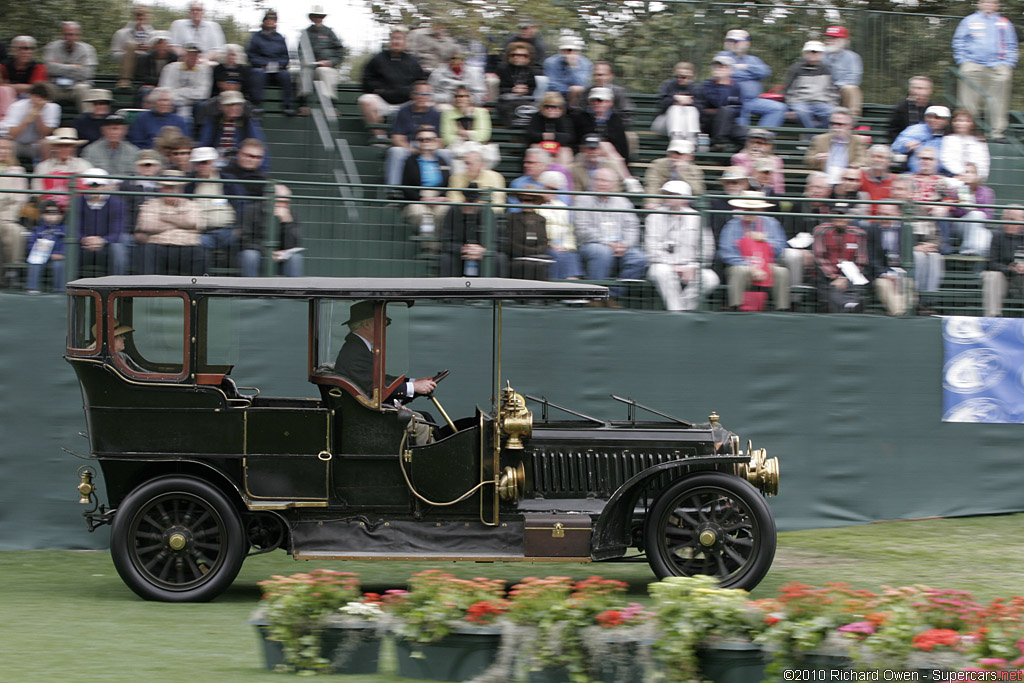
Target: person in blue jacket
column 719, row 100
column 985, row 49
column 46, row 246
column 927, row 135
column 147, row 126
column 268, row 56
column 748, row 71
column 569, row 72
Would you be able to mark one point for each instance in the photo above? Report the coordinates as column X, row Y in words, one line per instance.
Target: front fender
column 611, row 533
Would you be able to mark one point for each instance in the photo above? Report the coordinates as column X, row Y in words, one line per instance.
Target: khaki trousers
column 995, row 82
column 740, row 277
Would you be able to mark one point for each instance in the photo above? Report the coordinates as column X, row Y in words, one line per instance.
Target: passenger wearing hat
column 229, row 125
column 328, row 51
column 46, row 246
column 355, row 364
column 130, row 43
column 171, row 226
column 203, row 32
column 569, row 72
column 89, row 125
column 601, row 120
column 922, row 136
column 719, row 101
column 748, row 72
column 103, row 249
column 839, row 241
column 71, row 65
column 63, row 144
column 679, row 250
column 847, row 68
column 758, row 149
column 268, row 56
column 29, row 120
column 189, row 80
column 747, row 262
column 985, row 49
column 833, row 151
column 678, row 116
column 113, row 153
column 431, row 44
column 810, row 91
column 677, row 164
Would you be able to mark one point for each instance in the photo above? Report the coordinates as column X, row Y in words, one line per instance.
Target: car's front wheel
column 713, row 524
column 177, row 539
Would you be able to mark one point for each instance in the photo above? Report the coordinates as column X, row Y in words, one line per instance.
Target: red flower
column 610, row 618
column 928, row 640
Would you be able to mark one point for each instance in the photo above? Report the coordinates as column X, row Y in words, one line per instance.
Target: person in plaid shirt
column 838, row 242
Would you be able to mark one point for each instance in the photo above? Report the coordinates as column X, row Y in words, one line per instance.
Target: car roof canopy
column 349, row 288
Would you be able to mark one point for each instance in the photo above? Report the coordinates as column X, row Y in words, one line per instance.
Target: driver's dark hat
column 360, row 311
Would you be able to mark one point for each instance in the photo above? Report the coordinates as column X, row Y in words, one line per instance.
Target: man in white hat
column 101, row 227
column 71, row 64
column 569, row 72
column 113, row 153
column 921, row 136
column 743, row 270
column 219, row 224
column 677, row 164
column 63, row 144
column 985, row 49
column 748, row 72
column 679, row 250
column 324, row 51
column 810, row 91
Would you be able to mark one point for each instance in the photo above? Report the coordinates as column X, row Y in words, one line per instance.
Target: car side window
column 157, row 347
column 82, row 333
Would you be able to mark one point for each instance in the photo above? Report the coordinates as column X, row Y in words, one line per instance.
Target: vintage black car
column 199, row 472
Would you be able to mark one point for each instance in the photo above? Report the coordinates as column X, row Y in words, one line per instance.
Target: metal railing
column 382, row 242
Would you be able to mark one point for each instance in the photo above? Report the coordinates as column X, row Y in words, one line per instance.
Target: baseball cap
column 148, row 157
column 737, row 34
column 552, row 180
column 231, row 97
column 837, row 32
column 200, row 154
column 938, row 110
column 723, row 59
column 592, row 141
column 814, row 46
column 681, row 145
column 601, row 94
column 680, row 187
column 761, row 134
column 114, row 120
column 734, row 173
column 95, row 177
column 192, row 47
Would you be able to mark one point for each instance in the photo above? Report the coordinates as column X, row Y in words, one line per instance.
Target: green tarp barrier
column 850, row 404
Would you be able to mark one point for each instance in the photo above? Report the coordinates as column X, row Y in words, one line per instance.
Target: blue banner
column 983, row 370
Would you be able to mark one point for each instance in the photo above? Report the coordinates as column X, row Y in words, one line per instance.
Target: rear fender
column 612, row 531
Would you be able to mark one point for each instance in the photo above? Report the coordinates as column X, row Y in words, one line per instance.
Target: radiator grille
column 579, row 474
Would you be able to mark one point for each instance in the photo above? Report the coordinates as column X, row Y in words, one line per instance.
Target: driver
column 355, row 361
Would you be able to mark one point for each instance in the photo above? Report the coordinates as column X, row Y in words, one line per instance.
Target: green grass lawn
column 67, row 616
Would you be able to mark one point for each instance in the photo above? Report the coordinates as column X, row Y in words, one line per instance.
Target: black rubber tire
column 732, row 510
column 186, row 512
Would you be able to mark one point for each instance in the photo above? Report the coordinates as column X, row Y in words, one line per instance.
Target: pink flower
column 865, row 628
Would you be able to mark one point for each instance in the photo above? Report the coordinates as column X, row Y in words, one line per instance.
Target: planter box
column 459, row 656
column 728, row 661
column 351, row 649
column 823, row 663
column 554, row 674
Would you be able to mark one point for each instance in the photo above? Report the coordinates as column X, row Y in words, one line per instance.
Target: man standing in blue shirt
column 985, row 48
column 748, row 72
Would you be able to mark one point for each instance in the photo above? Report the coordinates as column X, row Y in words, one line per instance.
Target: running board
column 466, row 557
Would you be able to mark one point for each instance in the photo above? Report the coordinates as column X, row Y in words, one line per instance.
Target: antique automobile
column 200, row 472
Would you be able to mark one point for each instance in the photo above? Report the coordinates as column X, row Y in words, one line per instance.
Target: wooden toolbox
column 561, row 535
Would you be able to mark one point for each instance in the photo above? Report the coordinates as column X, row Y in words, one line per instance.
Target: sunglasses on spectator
column 180, row 153
column 424, row 138
column 683, row 77
column 520, row 54
column 552, row 106
column 251, row 155
column 839, row 123
column 851, row 179
column 461, row 94
column 421, row 94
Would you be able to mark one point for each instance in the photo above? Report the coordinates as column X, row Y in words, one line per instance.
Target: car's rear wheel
column 713, row 524
column 177, row 539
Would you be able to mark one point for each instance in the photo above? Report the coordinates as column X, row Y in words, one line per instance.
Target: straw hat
column 65, row 136
column 751, row 200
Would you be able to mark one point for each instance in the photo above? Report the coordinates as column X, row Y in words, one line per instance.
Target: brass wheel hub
column 708, row 538
column 177, row 540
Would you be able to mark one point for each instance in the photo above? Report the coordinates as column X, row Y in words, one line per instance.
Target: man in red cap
column 846, row 67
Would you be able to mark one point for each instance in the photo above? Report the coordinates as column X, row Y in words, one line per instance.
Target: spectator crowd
column 198, row 148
